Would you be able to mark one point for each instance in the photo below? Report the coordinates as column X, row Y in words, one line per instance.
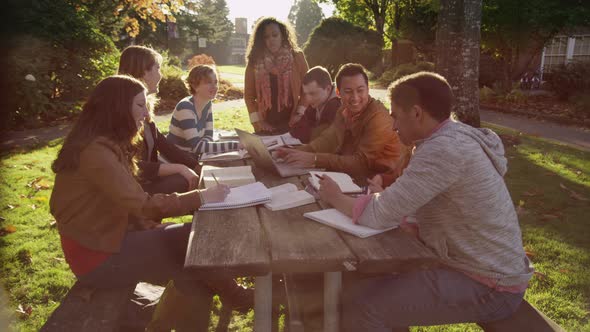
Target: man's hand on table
column 376, row 184
column 295, row 157
column 330, row 192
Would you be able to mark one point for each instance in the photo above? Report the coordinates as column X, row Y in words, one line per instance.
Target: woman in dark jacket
column 179, row 173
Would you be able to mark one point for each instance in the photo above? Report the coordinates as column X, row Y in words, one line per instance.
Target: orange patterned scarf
column 281, row 65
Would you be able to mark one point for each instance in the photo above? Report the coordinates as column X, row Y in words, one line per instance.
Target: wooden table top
column 255, row 241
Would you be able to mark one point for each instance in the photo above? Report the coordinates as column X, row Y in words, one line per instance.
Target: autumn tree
column 457, row 54
column 305, row 15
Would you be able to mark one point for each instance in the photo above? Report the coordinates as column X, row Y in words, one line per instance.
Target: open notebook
column 338, row 220
column 344, row 181
column 287, row 196
column 248, row 195
column 231, row 176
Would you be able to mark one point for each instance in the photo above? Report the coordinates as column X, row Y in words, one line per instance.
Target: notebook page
column 248, row 195
column 344, row 181
column 231, row 176
column 340, row 221
column 288, row 200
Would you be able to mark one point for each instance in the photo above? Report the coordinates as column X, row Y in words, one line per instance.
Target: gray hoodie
column 454, row 185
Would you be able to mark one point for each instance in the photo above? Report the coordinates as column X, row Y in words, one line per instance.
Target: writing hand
column 215, row 194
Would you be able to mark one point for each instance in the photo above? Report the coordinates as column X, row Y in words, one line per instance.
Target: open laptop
column 263, row 158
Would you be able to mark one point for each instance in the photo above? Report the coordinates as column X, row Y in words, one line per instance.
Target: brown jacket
column 92, row 204
column 299, row 69
column 369, row 147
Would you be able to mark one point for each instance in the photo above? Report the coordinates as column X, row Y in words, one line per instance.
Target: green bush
column 404, row 69
column 581, row 101
column 486, row 94
column 570, row 79
column 335, row 42
column 62, row 56
column 172, row 88
column 516, row 96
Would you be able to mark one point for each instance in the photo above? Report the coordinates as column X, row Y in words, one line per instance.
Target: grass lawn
column 238, row 69
column 549, row 183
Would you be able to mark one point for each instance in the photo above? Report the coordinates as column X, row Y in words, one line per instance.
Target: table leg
column 332, row 290
column 263, row 303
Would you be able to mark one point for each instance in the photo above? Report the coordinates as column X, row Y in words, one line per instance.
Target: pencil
column 214, row 178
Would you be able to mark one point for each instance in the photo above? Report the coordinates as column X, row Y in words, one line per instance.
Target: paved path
column 576, row 137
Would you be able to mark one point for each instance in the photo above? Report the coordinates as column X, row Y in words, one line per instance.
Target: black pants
column 174, row 183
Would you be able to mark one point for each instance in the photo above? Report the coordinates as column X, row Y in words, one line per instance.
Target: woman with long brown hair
column 179, row 174
column 272, row 86
column 96, row 196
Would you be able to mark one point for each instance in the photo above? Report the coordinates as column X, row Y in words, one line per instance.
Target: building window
column 556, row 52
column 582, row 49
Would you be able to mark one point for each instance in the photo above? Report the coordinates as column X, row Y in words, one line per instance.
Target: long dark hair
column 256, row 45
column 106, row 113
column 135, row 60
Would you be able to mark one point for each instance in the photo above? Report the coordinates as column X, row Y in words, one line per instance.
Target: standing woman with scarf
column 274, row 72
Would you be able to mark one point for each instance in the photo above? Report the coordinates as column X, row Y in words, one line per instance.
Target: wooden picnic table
column 255, row 241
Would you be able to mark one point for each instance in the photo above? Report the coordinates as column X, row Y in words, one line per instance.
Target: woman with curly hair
column 275, row 69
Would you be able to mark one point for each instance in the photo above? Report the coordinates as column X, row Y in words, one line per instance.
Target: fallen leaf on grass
column 529, row 254
column 7, row 230
column 52, row 223
column 540, row 275
column 59, row 259
column 564, row 271
column 24, row 312
column 12, row 207
column 572, row 193
column 2, row 219
column 33, row 206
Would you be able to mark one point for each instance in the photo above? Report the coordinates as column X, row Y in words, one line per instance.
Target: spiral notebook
column 243, row 196
column 340, row 221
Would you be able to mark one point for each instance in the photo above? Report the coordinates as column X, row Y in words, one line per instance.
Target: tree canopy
column 335, row 42
column 305, row 15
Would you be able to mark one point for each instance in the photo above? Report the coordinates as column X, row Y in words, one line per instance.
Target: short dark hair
column 318, row 74
column 197, row 75
column 351, row 69
column 429, row 90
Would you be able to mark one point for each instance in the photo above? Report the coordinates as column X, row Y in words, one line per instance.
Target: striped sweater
column 194, row 134
column 454, row 184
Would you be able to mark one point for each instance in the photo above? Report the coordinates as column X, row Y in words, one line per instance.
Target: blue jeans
column 421, row 298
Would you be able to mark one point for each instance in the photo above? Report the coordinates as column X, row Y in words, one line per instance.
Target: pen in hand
column 214, row 178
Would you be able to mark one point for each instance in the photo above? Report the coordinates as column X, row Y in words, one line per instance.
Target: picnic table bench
column 255, row 241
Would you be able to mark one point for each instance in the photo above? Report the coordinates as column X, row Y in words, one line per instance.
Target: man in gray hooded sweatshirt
column 454, row 186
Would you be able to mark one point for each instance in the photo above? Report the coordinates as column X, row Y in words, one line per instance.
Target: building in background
column 564, row 49
column 239, row 42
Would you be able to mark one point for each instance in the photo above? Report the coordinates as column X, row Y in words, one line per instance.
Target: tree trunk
column 457, row 54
